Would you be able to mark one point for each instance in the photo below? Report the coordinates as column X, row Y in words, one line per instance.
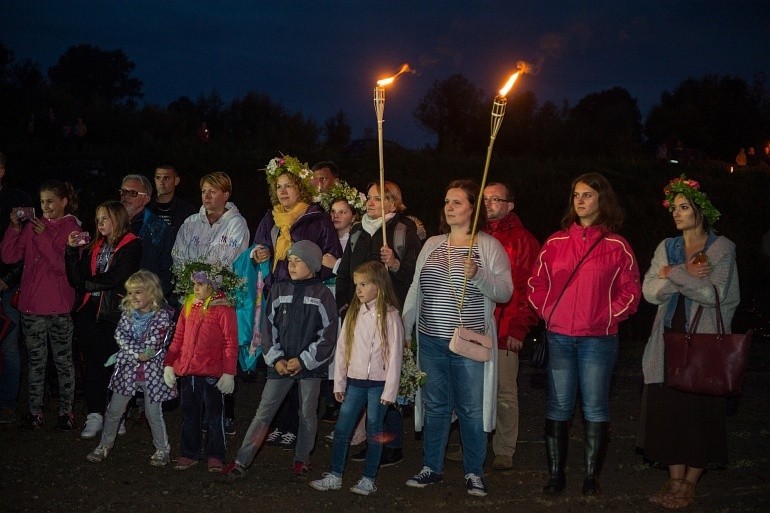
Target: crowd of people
column 165, row 303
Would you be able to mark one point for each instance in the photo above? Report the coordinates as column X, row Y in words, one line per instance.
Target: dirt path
column 46, row 470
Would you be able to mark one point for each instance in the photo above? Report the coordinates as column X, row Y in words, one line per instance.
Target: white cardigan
column 493, row 279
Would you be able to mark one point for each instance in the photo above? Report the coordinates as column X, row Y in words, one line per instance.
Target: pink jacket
column 44, row 286
column 604, row 291
column 366, row 359
column 205, row 341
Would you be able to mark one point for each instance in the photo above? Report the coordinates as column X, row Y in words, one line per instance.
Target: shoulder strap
column 566, row 284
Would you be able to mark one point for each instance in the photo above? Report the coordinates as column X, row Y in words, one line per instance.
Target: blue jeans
column 584, row 361
column 202, row 405
column 10, row 375
column 356, row 399
column 454, row 383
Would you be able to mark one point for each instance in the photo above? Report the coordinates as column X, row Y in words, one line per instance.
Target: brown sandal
column 666, row 491
column 683, row 498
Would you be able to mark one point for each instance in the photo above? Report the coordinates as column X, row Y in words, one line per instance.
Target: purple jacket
column 157, row 337
column 44, row 286
column 314, row 225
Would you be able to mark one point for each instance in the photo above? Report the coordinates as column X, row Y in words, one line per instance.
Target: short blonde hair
column 219, row 180
column 147, row 280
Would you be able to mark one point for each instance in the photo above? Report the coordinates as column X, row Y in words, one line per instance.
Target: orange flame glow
column 387, row 81
column 522, row 67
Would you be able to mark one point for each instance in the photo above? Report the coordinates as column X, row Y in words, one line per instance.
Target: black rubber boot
column 556, row 441
column 595, row 450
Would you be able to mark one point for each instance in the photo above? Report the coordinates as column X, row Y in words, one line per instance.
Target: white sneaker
column 364, row 486
column 122, row 427
column 328, row 482
column 98, row 454
column 93, row 426
column 330, row 436
column 159, row 459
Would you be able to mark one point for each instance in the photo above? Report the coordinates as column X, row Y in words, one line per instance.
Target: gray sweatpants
column 272, row 396
column 153, row 412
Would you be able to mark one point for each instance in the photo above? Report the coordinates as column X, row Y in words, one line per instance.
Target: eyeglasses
column 130, row 194
column 495, row 200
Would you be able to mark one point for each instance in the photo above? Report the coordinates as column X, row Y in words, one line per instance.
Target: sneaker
column 215, row 466
column 33, row 421
column 328, row 482
column 66, row 422
column 288, row 441
column 122, row 427
column 364, row 486
column 454, row 453
column 360, row 455
column 424, row 478
column 98, row 454
column 274, row 438
column 391, row 456
column 331, row 415
column 330, row 437
column 230, row 426
column 475, row 485
column 159, row 459
column 234, row 471
column 7, row 415
column 300, row 469
column 184, row 463
column 93, row 425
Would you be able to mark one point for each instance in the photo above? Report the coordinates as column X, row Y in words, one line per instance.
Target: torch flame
column 509, row 84
column 387, row 81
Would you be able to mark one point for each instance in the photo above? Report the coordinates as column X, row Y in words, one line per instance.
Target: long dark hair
column 472, row 192
column 610, row 215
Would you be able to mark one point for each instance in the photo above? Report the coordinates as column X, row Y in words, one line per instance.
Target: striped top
column 438, row 314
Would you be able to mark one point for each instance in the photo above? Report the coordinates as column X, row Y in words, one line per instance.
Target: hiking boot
column 502, row 462
column 364, row 486
column 288, row 441
column 33, row 421
column 475, row 485
column 234, row 471
column 159, row 459
column 98, row 454
column 274, row 438
column 327, row 482
column 456, row 454
column 424, row 478
column 93, row 427
column 66, row 422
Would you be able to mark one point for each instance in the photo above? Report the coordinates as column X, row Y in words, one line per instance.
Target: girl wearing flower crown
column 143, row 331
column 204, row 355
column 682, row 430
column 366, row 374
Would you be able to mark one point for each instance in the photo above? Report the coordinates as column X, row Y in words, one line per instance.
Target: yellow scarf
column 284, row 220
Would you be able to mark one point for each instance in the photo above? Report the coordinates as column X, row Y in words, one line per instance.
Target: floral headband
column 220, row 278
column 342, row 191
column 286, row 163
column 690, row 189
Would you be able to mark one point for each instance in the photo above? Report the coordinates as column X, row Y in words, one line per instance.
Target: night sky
column 316, row 57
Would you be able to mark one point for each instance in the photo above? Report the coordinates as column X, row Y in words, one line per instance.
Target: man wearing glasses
column 514, row 318
column 157, row 236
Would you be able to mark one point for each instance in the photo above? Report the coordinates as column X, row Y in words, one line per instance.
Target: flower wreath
column 221, row 278
column 342, row 191
column 690, row 189
column 279, row 165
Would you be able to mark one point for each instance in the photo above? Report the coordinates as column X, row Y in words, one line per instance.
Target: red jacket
column 205, row 341
column 516, row 317
column 603, row 292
